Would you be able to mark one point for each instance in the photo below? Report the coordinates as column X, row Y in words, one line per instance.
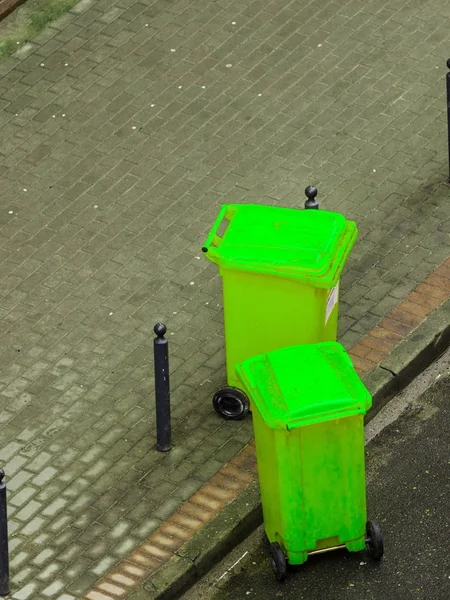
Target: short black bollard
column 162, row 389
column 4, row 555
column 311, row 193
column 447, row 78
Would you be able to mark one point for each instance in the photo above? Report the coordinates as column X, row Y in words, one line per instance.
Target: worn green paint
column 308, row 416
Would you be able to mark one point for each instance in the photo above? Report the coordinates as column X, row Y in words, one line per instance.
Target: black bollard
column 447, row 78
column 4, row 556
column 311, row 193
column 162, row 388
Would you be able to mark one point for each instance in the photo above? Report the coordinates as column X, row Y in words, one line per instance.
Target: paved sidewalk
column 124, row 127
column 214, row 519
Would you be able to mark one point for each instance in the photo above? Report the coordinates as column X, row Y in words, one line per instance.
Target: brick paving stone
column 186, row 521
column 106, row 240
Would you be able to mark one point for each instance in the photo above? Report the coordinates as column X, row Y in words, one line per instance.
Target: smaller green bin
column 280, row 271
column 308, row 405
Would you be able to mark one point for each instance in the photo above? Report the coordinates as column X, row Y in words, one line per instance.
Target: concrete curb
column 232, row 525
column 409, row 358
column 242, row 516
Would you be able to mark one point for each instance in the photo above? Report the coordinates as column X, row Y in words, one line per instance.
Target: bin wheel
column 231, row 403
column 374, row 540
column 278, row 561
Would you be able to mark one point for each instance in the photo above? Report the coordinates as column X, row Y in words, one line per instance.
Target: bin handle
column 214, row 240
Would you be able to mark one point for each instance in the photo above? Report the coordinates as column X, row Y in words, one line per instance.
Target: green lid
column 306, row 244
column 306, row 384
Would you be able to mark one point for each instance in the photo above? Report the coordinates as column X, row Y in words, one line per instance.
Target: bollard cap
column 2, row 474
column 160, row 329
column 311, row 193
column 448, row 64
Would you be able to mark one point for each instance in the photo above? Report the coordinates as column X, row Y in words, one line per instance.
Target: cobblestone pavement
column 124, row 126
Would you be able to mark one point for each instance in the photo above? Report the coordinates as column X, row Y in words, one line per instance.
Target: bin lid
column 302, row 385
column 306, row 244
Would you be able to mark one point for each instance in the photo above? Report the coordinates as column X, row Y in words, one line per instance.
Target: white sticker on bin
column 332, row 300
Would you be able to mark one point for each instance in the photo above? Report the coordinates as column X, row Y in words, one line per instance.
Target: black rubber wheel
column 231, row 403
column 278, row 561
column 374, row 540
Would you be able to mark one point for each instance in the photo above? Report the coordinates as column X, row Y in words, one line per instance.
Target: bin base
column 372, row 542
column 300, row 557
column 356, row 545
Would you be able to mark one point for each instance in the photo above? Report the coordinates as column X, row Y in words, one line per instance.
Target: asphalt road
column 408, row 475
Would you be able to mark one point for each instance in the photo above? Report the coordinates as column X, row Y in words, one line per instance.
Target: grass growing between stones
column 27, row 21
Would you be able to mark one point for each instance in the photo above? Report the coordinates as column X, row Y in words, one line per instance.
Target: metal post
column 162, row 388
column 4, row 555
column 311, row 193
column 447, row 78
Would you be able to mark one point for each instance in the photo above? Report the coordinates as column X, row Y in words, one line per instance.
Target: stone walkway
column 124, row 127
column 165, row 560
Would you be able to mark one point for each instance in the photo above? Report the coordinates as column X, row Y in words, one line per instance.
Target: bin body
column 264, row 313
column 310, row 447
column 280, row 271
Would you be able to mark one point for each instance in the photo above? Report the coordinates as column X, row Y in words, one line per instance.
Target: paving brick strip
column 123, row 128
column 234, row 477
column 374, row 347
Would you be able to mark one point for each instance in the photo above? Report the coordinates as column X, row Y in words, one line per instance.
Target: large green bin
column 280, row 271
column 308, row 407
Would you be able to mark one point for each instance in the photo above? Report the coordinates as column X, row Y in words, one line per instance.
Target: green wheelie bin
column 275, row 262
column 308, row 407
